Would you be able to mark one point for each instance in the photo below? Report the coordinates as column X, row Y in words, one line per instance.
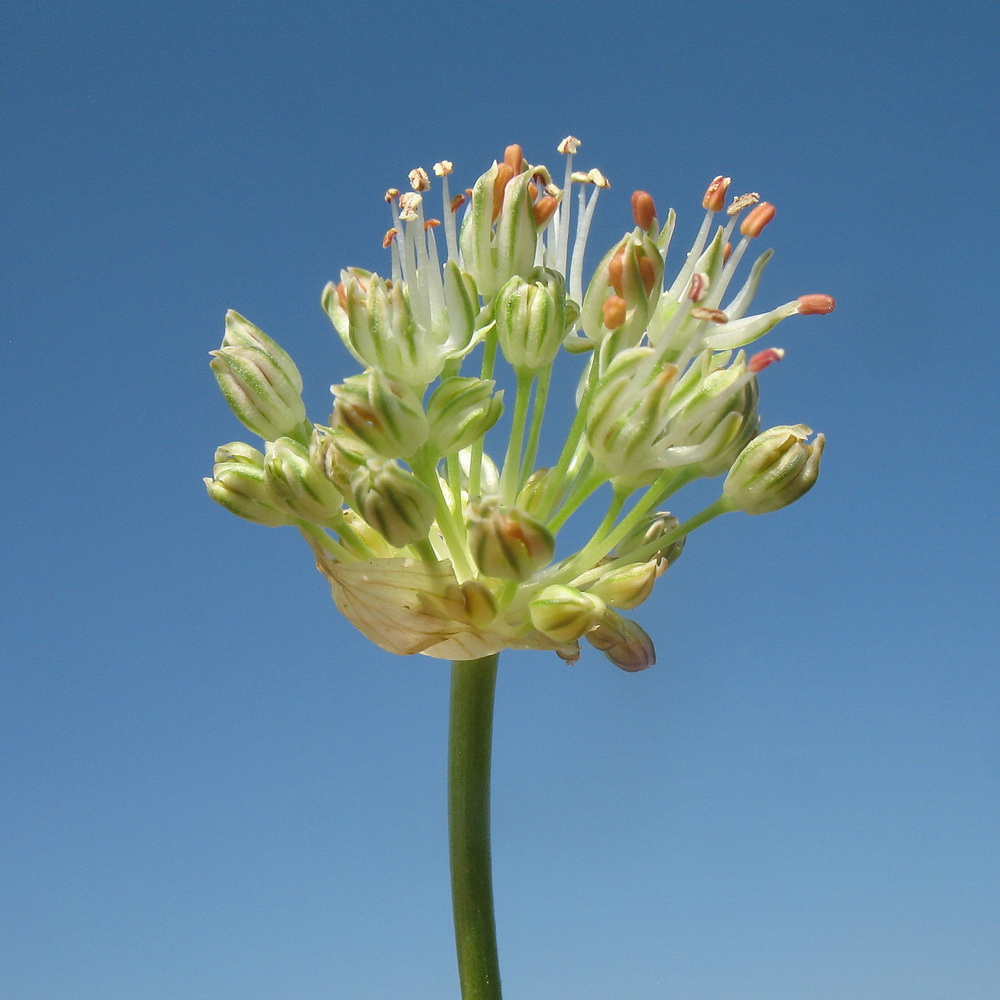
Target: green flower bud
column 386, row 415
column 461, row 411
column 240, row 487
column 338, row 454
column 774, row 470
column 393, row 501
column 298, row 486
column 259, row 380
column 480, row 604
column 532, row 316
column 239, row 453
column 564, row 613
column 534, row 489
column 506, row 542
column 628, row 586
column 623, row 642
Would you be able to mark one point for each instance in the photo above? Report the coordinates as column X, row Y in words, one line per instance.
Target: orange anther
column 726, row 251
column 504, row 174
column 643, row 209
column 764, row 358
column 816, row 305
column 648, row 273
column 458, row 201
column 757, row 218
column 342, row 296
column 715, row 195
column 431, row 224
column 390, row 235
column 544, row 208
column 615, row 309
column 615, row 271
column 513, row 156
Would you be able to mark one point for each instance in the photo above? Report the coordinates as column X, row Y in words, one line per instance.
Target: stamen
column 419, row 180
column 505, row 173
column 616, row 268
column 764, row 358
column 598, row 179
column 544, row 209
column 647, row 273
column 568, row 146
column 431, row 224
column 342, row 295
column 726, row 251
column 816, row 305
column 615, row 309
column 390, row 235
column 743, row 201
column 513, row 156
column 409, row 206
column 457, row 202
column 698, row 287
column 643, row 209
column 758, row 217
column 392, row 194
column 443, row 168
column 715, row 195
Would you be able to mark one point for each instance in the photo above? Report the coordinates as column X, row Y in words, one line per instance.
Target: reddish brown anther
column 756, row 219
column 458, row 201
column 764, row 358
column 698, row 286
column 390, row 235
column 643, row 209
column 712, row 315
column 513, row 156
column 544, row 208
column 715, row 195
column 505, row 173
column 816, row 305
column 615, row 310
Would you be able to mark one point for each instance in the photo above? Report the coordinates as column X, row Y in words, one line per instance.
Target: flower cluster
column 429, row 545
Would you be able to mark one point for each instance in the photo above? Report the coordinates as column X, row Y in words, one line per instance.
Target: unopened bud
column 240, row 487
column 653, row 528
column 297, row 486
column 623, row 642
column 532, row 316
column 393, row 501
column 774, row 469
column 534, row 490
column 480, row 604
column 460, row 412
column 628, row 586
column 564, row 614
column 382, row 412
column 506, row 542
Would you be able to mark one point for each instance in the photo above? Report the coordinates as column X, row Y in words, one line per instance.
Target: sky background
column 214, row 789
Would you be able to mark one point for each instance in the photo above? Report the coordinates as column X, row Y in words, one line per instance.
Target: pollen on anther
column 390, row 235
column 569, row 145
column 743, row 201
column 816, row 305
column 443, row 168
column 764, row 358
column 757, row 218
column 409, row 206
column 392, row 194
column 419, row 180
column 598, row 179
column 715, row 195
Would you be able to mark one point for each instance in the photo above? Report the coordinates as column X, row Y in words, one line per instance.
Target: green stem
column 470, row 738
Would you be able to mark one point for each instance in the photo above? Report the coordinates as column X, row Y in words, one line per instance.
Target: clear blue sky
column 214, row 789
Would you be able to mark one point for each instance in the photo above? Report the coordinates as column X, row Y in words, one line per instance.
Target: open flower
column 431, row 547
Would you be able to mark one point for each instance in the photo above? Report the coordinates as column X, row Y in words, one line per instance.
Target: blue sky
column 214, row 788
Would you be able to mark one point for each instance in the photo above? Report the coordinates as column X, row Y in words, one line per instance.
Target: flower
column 429, row 546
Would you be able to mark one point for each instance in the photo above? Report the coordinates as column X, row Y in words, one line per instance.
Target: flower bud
column 298, row 486
column 565, row 613
column 239, row 453
column 623, row 642
column 461, row 411
column 506, row 542
column 533, row 316
column 774, row 469
column 240, row 487
column 660, row 524
column 262, row 388
column 480, row 604
column 337, row 453
column 534, row 489
column 386, row 415
column 393, row 501
column 628, row 586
